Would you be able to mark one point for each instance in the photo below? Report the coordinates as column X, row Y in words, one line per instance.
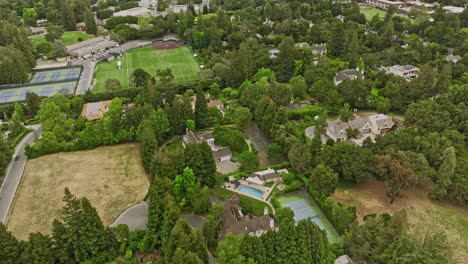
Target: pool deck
column 266, row 191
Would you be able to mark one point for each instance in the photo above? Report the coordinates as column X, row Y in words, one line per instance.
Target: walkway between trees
column 15, row 171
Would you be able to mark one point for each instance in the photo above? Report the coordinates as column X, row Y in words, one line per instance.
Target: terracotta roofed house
column 235, row 222
column 94, row 111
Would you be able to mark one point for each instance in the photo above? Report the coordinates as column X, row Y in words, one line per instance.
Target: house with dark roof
column 319, row 50
column 350, row 74
column 219, row 153
column 235, row 222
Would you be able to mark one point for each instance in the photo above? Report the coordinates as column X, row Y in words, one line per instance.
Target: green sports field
column 180, row 60
column 369, row 12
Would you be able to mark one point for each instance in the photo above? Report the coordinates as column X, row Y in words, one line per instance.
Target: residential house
column 350, row 74
column 37, row 30
column 80, row 26
column 219, row 153
column 41, row 22
column 235, row 222
column 453, row 58
column 302, row 45
column 265, row 176
column 319, row 50
column 408, row 72
column 94, row 111
column 368, row 126
column 218, row 104
column 273, row 53
column 453, row 9
column 344, row 259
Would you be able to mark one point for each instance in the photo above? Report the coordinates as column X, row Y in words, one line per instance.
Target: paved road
column 135, row 217
column 15, row 171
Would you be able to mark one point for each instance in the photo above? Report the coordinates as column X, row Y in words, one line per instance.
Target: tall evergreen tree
column 199, row 157
column 38, row 250
column 10, row 247
column 201, row 111
column 90, row 22
column 68, row 16
column 148, row 143
column 337, row 41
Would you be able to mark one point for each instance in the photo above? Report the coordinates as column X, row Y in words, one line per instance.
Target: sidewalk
column 14, row 172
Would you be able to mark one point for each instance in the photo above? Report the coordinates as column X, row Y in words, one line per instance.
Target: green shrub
column 309, row 111
column 128, row 253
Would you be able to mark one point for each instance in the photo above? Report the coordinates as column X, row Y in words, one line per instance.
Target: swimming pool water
column 251, row 190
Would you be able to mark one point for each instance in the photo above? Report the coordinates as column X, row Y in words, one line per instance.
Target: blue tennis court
column 71, row 74
column 303, row 211
column 47, row 91
column 7, row 96
column 40, row 77
column 22, row 94
column 55, row 76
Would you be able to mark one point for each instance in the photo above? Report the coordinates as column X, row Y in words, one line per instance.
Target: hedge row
column 311, row 110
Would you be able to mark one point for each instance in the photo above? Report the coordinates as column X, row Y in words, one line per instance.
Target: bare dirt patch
column 111, row 177
column 424, row 213
column 165, row 45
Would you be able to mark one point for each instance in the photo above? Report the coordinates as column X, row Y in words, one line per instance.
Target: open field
column 68, row 38
column 424, row 213
column 370, row 12
column 289, row 198
column 180, row 60
column 111, row 177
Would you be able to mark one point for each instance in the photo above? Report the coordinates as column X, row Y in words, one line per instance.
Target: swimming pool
column 251, row 190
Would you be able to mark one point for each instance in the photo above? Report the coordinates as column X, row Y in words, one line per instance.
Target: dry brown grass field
column 111, row 177
column 424, row 213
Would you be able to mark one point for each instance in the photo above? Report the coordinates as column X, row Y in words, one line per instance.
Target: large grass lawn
column 111, row 177
column 180, row 60
column 68, row 38
column 370, row 12
column 424, row 213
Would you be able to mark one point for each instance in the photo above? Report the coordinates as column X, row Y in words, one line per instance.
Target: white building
column 150, row 4
column 384, row 4
column 406, row 71
column 273, row 53
column 136, row 12
column 453, row 9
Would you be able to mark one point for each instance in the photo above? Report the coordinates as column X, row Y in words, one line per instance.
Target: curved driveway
column 15, row 171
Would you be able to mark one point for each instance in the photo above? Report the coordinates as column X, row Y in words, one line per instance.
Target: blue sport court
column 65, row 74
column 303, row 211
column 49, row 90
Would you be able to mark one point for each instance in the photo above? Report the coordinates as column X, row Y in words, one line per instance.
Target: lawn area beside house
column 249, row 205
column 68, row 38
